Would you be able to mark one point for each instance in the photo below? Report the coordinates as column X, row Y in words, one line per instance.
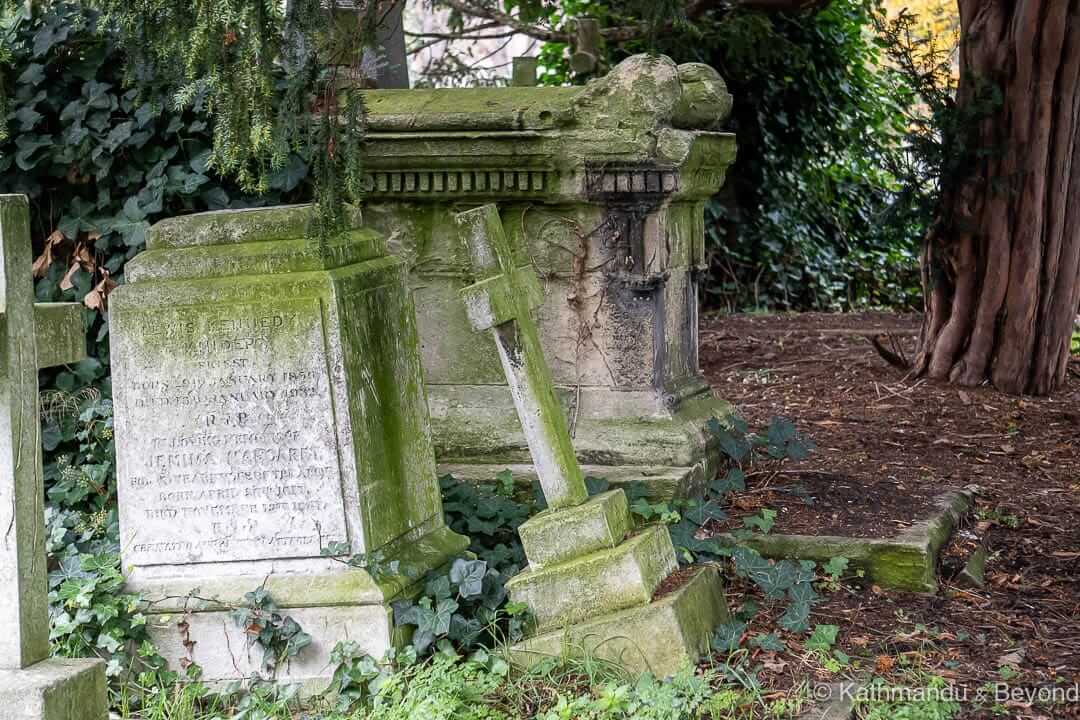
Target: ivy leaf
column 28, row 117
column 701, row 513
column 288, row 176
column 796, row 618
column 763, row 522
column 47, row 37
column 733, row 480
column 28, row 145
column 118, row 135
column 32, row 75
column 726, row 637
column 836, row 567
column 823, row 638
column 595, row 485
column 769, row 642
column 468, row 575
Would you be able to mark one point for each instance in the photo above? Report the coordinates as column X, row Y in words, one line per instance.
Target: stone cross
column 501, row 300
column 33, row 336
column 589, row 583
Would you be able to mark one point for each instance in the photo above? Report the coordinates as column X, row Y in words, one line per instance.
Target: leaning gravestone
column 591, row 578
column 270, row 411
column 33, row 686
column 602, row 190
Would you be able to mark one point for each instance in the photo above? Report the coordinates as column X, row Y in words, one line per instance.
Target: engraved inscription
column 228, row 449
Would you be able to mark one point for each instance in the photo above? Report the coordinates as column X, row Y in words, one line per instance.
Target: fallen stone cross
column 33, row 686
column 270, row 425
column 592, row 576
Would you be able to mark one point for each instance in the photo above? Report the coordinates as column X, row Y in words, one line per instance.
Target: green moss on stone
column 661, row 637
column 556, row 536
column 599, row 583
column 59, row 333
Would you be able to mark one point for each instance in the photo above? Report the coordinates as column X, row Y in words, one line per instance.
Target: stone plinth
column 660, row 637
column 601, row 189
column 54, row 689
column 32, row 685
column 270, row 423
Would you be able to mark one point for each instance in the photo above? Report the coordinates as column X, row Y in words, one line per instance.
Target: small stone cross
column 501, row 300
column 31, row 336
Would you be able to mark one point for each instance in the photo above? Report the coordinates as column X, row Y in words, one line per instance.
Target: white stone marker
column 32, row 685
column 271, row 424
column 500, row 296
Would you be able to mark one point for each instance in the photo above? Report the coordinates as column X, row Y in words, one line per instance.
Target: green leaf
column 289, row 176
column 823, row 637
column 768, row 642
column 468, row 575
column 763, row 522
column 726, row 637
column 836, row 567
column 32, row 75
column 733, row 480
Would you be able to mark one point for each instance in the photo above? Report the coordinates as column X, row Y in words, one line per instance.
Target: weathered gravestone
column 33, row 686
column 270, row 409
column 601, row 189
column 591, row 578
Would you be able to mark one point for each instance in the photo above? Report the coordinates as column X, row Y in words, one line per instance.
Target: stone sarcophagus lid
column 601, row 190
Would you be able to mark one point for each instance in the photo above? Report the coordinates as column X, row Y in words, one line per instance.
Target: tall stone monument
column 270, row 412
column 601, row 189
column 33, row 686
column 592, row 577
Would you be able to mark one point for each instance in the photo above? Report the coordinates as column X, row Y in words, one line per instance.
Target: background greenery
column 813, row 217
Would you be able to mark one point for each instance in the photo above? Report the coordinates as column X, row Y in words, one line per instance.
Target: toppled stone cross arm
column 501, row 296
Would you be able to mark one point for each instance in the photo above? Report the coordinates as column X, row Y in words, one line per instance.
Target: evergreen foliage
column 273, row 78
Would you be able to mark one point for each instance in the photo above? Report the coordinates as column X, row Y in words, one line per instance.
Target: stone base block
column 661, row 482
column 222, row 650
column 598, row 583
column 619, row 436
column 556, row 536
column 55, row 689
column 907, row 561
column 659, row 637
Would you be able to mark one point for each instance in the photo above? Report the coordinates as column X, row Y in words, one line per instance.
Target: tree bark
column 1001, row 266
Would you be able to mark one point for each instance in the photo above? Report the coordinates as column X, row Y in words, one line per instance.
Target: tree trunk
column 1001, row 266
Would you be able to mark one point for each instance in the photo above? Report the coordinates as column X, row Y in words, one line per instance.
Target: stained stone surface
column 660, row 637
column 55, row 689
column 557, row 535
column 601, row 190
column 234, row 457
column 598, row 583
column 270, row 411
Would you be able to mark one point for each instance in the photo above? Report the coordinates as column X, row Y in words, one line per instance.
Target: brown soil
column 871, row 426
column 818, row 503
column 674, row 581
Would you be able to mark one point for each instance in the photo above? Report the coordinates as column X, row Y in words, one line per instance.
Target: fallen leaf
column 98, row 298
column 66, row 282
column 1012, row 659
column 774, row 667
column 45, row 259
